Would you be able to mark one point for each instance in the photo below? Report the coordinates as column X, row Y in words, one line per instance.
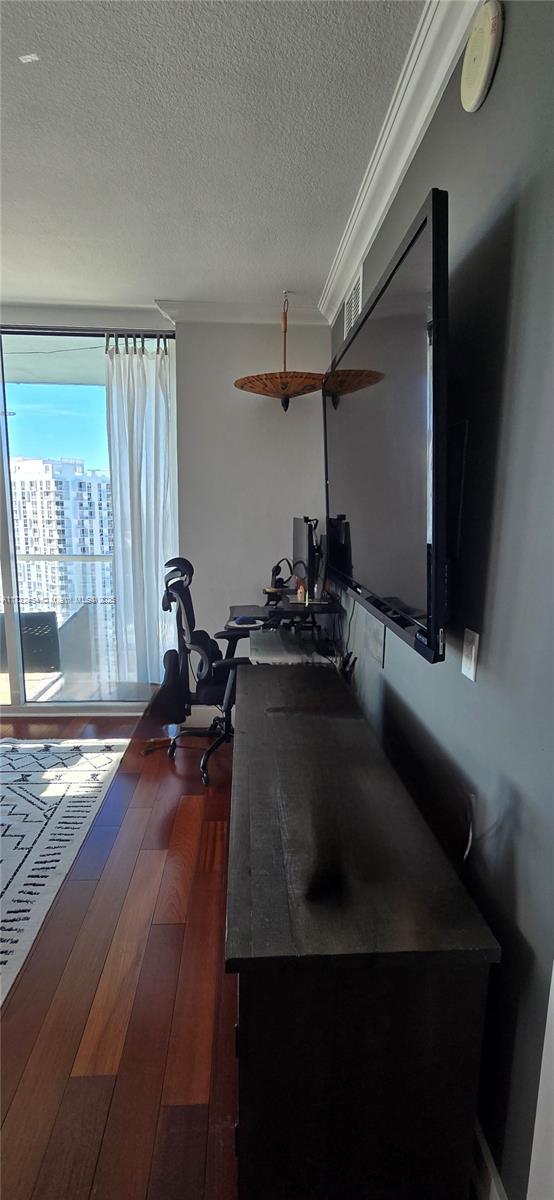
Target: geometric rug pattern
column 50, row 793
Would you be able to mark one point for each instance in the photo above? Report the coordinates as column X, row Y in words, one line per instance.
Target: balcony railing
column 70, row 652
column 67, row 611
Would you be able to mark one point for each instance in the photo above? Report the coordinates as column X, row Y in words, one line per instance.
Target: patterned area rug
column 49, row 794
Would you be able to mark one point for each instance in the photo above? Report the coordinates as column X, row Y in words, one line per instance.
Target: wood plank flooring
column 118, row 1072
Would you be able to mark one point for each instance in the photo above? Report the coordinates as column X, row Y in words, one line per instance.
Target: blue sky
column 58, row 420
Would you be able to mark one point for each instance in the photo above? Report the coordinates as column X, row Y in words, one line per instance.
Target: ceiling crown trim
column 236, row 312
column 435, row 49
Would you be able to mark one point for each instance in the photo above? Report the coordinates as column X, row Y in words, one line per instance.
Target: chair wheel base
column 172, row 750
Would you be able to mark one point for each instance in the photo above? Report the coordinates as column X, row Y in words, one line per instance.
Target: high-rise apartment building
column 63, row 527
column 60, row 507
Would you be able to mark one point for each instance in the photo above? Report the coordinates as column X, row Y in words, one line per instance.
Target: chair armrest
column 228, row 664
column 232, row 635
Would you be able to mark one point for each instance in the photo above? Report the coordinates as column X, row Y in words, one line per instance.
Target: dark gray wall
column 491, row 740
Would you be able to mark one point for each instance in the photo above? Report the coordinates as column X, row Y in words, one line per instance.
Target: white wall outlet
column 469, row 654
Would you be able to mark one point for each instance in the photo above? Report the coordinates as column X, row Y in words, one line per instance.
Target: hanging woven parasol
column 283, row 385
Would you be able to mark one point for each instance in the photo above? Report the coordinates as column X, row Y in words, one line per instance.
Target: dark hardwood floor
column 118, row 1065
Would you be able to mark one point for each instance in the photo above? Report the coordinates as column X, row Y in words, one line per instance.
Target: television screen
column 385, row 444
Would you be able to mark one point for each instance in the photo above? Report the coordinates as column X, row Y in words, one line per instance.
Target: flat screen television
column 385, row 446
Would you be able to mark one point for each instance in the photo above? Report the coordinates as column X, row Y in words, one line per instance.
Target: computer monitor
column 304, row 554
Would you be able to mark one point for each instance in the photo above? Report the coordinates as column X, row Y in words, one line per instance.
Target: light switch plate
column 469, row 654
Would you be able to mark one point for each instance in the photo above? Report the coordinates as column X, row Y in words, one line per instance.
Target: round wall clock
column 481, row 55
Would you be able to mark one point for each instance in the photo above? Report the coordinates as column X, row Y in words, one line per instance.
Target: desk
column 282, row 647
column 363, row 963
column 285, row 611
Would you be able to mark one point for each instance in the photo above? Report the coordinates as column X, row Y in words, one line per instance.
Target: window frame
column 18, row 705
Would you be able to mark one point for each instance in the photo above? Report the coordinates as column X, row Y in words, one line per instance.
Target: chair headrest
column 179, row 568
column 183, row 565
column 180, row 571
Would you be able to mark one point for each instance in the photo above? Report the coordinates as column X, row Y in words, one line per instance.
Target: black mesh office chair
column 216, row 677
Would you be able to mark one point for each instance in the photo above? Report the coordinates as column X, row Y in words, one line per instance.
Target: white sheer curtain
column 143, row 463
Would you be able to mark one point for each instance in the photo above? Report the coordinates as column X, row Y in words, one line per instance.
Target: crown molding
column 237, row 312
column 436, row 46
column 78, row 316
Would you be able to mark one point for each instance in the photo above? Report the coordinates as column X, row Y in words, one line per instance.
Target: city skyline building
column 63, row 530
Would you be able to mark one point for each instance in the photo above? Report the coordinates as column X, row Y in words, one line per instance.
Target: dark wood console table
column 362, row 961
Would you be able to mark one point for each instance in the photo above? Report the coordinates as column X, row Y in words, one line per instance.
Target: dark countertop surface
column 329, row 857
column 284, row 610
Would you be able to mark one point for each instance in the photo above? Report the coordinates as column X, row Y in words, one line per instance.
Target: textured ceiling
column 203, row 151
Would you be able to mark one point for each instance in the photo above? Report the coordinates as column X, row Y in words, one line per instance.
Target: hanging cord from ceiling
column 284, row 325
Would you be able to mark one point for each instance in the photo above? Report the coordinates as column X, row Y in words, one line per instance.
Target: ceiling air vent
column 353, row 304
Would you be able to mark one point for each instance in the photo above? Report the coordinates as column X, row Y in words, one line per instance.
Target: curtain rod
column 135, row 338
column 42, row 331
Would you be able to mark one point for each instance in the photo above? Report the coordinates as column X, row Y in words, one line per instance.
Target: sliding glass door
column 62, row 523
column 5, row 689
